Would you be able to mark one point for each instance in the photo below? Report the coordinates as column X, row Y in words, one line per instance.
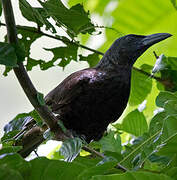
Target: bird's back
column 88, row 100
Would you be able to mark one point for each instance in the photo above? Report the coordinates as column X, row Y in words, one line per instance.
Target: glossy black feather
column 88, row 100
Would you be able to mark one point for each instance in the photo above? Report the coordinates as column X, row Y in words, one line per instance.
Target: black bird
column 88, row 100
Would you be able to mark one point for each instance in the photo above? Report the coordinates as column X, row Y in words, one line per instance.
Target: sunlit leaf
column 71, row 148
column 135, row 123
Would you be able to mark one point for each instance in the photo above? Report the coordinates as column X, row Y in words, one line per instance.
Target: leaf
column 65, row 54
column 76, row 20
column 135, row 123
column 7, row 174
column 111, row 142
column 92, row 59
column 163, row 97
column 36, row 15
column 17, row 123
column 28, row 36
column 141, row 86
column 171, row 107
column 97, row 170
column 71, row 148
column 45, row 169
column 133, row 175
column 10, row 149
column 174, row 4
column 15, row 162
column 40, row 98
column 7, row 55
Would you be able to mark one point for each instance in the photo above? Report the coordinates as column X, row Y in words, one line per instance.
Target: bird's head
column 125, row 50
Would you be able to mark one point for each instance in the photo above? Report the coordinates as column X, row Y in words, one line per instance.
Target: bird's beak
column 154, row 38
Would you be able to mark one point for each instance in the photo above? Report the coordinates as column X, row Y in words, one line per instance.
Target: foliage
column 143, row 143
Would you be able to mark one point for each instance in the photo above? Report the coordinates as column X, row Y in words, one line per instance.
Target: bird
column 87, row 101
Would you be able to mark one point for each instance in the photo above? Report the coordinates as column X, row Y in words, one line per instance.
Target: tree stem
column 22, row 75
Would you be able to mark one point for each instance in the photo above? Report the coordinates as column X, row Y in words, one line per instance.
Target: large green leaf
column 141, row 86
column 15, row 162
column 45, row 169
column 8, row 174
column 135, row 123
column 134, row 176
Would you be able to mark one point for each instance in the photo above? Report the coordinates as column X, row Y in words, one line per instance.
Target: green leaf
column 111, row 142
column 165, row 96
column 174, row 4
column 48, row 134
column 135, row 123
column 171, row 107
column 40, row 98
column 8, row 138
column 134, row 176
column 92, row 59
column 7, row 55
column 141, row 86
column 71, row 148
column 97, row 170
column 15, row 162
column 20, row 52
column 28, row 36
column 75, row 19
column 18, row 122
column 37, row 15
column 65, row 54
column 7, row 174
column 45, row 169
column 10, row 149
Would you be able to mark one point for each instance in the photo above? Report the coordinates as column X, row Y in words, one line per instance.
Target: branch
column 92, row 151
column 23, row 77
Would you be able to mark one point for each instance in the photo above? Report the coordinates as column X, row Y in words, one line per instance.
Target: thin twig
column 92, row 151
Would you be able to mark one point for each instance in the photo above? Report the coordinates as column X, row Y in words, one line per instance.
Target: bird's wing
column 69, row 89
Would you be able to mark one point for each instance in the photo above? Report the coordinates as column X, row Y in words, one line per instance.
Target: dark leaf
column 7, row 174
column 7, row 55
column 15, row 162
column 65, row 54
column 71, row 148
column 36, row 15
column 75, row 19
column 28, row 36
column 33, row 62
